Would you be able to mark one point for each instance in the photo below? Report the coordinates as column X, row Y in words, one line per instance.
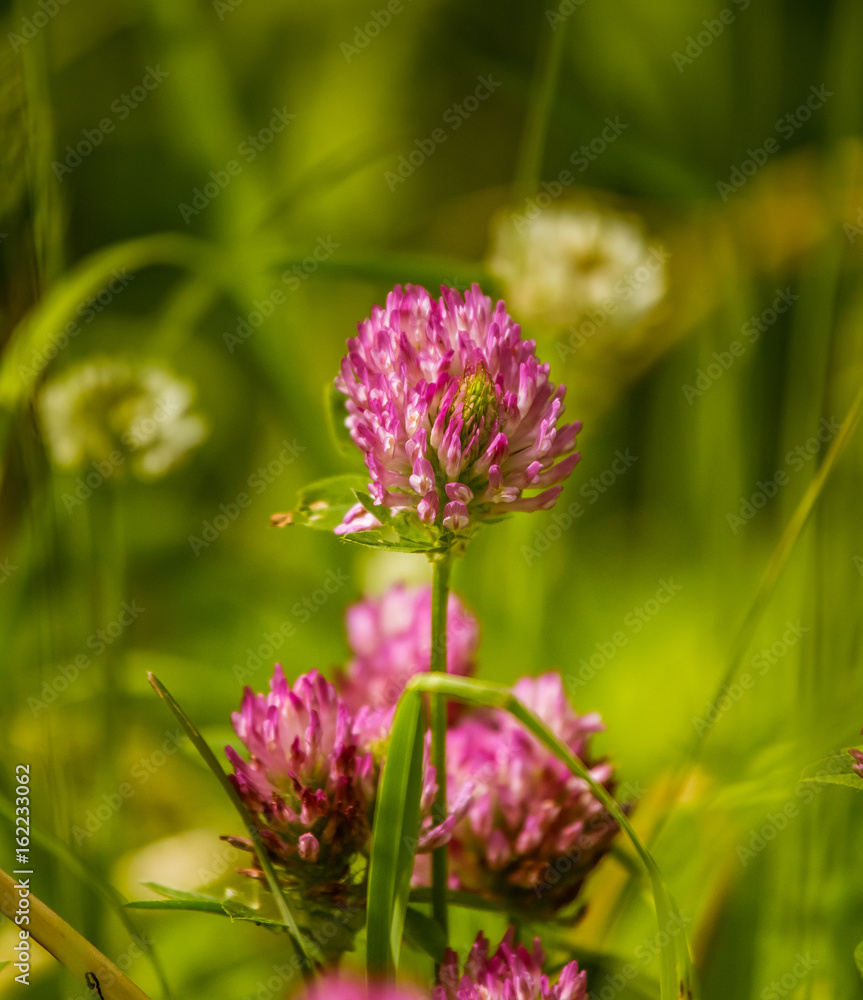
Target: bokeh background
column 764, row 867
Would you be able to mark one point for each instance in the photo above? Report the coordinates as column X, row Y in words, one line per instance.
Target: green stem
column 440, row 858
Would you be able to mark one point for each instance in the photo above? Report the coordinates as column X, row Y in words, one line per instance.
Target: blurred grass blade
column 779, row 558
column 67, row 945
column 209, row 759
column 396, row 827
column 55, row 847
column 539, row 110
column 39, row 329
column 455, row 897
column 425, row 934
column 676, row 974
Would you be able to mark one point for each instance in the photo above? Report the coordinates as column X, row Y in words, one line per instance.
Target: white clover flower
column 559, row 265
column 103, row 408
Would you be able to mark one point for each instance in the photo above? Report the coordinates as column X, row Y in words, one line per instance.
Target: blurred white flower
column 108, row 410
column 559, row 265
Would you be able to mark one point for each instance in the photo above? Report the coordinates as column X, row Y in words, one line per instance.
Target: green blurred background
column 224, row 71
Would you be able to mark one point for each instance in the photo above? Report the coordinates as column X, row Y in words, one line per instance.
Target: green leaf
column 250, row 825
column 676, row 974
column 198, row 903
column 396, row 827
column 858, row 957
column 425, row 934
column 835, row 769
column 323, row 504
column 400, row 532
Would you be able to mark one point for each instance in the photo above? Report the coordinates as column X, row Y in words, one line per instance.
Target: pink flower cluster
column 315, row 749
column 307, row 781
column 533, row 830
column 512, row 973
column 455, row 415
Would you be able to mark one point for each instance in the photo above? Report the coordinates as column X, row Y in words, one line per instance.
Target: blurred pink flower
column 455, row 415
column 335, row 987
column 532, row 830
column 390, row 637
column 512, row 973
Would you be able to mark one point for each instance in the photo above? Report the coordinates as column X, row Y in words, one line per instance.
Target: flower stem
column 440, row 858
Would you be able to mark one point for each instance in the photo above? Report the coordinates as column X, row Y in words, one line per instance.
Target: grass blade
column 67, row 945
column 394, row 838
column 676, row 974
column 106, row 892
column 425, row 934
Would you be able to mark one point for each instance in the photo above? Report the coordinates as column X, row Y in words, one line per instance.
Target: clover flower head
column 857, row 766
column 454, row 413
column 558, row 265
column 390, row 637
column 512, row 973
column 306, row 782
column 532, row 830
column 112, row 411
